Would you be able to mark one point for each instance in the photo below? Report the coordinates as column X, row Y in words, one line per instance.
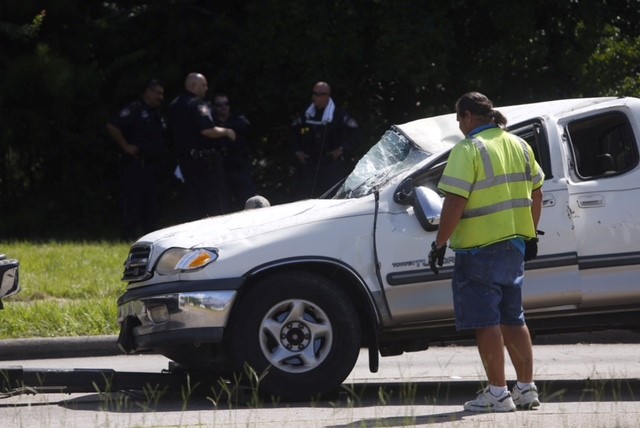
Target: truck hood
column 212, row 231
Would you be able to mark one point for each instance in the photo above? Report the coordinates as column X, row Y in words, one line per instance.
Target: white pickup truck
column 296, row 290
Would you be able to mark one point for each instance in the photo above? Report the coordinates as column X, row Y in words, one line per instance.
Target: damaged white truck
column 294, row 291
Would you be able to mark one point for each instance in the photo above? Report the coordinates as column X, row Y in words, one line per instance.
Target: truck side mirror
column 427, row 206
column 404, row 194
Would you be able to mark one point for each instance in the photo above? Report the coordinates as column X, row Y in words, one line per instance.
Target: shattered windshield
column 393, row 154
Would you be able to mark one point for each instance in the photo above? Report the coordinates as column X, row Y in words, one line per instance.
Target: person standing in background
column 237, row 154
column 199, row 146
column 323, row 136
column 139, row 131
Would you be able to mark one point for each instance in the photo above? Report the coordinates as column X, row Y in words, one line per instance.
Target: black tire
column 301, row 330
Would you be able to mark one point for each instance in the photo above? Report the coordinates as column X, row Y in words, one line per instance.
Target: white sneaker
column 526, row 398
column 487, row 402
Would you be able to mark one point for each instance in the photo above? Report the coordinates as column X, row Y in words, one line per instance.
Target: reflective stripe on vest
column 491, row 180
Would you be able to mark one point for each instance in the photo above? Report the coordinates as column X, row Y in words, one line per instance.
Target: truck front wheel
column 298, row 332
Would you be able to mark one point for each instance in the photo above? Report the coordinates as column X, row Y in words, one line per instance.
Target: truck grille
column 136, row 265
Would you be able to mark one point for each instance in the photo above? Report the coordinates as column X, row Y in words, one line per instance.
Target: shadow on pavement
column 350, row 396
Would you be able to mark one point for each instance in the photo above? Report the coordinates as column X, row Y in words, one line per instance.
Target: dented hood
column 213, row 231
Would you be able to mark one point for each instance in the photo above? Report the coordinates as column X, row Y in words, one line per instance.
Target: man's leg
column 130, row 200
column 518, row 343
column 494, row 398
column 477, row 297
column 491, row 348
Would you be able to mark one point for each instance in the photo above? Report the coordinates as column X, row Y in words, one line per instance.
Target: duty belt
column 203, row 153
column 139, row 161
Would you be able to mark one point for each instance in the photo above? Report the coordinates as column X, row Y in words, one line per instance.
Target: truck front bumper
column 172, row 318
column 9, row 274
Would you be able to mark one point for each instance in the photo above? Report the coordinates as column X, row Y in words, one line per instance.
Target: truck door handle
column 591, row 201
column 548, row 201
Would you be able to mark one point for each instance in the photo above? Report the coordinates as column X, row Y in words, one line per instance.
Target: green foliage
column 26, row 31
column 59, row 319
column 614, row 67
column 68, row 289
column 65, row 70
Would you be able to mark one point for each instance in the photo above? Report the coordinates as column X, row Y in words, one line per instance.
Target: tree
column 614, row 66
column 66, row 70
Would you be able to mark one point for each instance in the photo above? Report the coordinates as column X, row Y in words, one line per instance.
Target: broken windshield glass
column 393, row 154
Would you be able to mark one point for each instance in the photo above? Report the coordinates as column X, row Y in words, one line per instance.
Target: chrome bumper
column 164, row 318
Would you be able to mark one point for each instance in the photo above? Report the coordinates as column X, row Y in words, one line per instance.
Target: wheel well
column 339, row 274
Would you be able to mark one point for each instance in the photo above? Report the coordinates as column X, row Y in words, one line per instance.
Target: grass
column 68, row 289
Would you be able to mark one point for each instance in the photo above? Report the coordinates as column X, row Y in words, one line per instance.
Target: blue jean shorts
column 487, row 287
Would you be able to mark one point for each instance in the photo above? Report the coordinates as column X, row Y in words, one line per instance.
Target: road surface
column 588, row 383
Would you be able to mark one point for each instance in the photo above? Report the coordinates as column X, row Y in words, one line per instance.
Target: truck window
column 533, row 133
column 602, row 145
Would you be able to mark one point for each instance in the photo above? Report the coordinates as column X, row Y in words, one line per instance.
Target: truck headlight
column 176, row 260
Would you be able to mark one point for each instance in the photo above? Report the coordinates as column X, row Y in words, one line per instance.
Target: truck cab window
column 602, row 146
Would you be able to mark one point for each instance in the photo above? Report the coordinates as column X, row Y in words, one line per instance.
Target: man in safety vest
column 493, row 201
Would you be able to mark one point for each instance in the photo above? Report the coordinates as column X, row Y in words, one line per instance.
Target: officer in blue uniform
column 139, row 131
column 199, row 146
column 237, row 154
column 323, row 137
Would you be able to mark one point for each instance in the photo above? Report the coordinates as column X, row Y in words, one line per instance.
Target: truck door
column 604, row 199
column 552, row 281
column 415, row 294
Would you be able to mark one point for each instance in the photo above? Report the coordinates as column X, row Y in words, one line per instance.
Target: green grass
column 68, row 289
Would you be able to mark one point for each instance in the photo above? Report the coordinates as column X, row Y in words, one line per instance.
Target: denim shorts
column 487, row 287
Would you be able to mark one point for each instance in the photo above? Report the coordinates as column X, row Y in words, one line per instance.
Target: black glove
column 436, row 255
column 530, row 249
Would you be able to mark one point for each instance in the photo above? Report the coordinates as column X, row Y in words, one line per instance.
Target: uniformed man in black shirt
column 198, row 145
column 323, row 137
column 139, row 131
column 237, row 154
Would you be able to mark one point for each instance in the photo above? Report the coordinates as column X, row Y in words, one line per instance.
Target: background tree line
column 66, row 66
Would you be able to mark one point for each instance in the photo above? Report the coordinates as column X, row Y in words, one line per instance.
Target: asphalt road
column 585, row 381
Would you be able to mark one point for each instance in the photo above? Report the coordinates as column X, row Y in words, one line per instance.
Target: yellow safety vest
column 496, row 172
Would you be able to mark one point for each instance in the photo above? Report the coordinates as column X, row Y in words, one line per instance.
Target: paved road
column 595, row 384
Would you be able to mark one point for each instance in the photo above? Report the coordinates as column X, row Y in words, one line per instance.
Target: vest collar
column 480, row 129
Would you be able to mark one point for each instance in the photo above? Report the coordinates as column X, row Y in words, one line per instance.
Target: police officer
column 237, row 154
column 139, row 130
column 322, row 137
column 198, row 143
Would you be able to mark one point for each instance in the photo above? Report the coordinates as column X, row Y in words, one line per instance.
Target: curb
column 58, row 347
column 106, row 345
